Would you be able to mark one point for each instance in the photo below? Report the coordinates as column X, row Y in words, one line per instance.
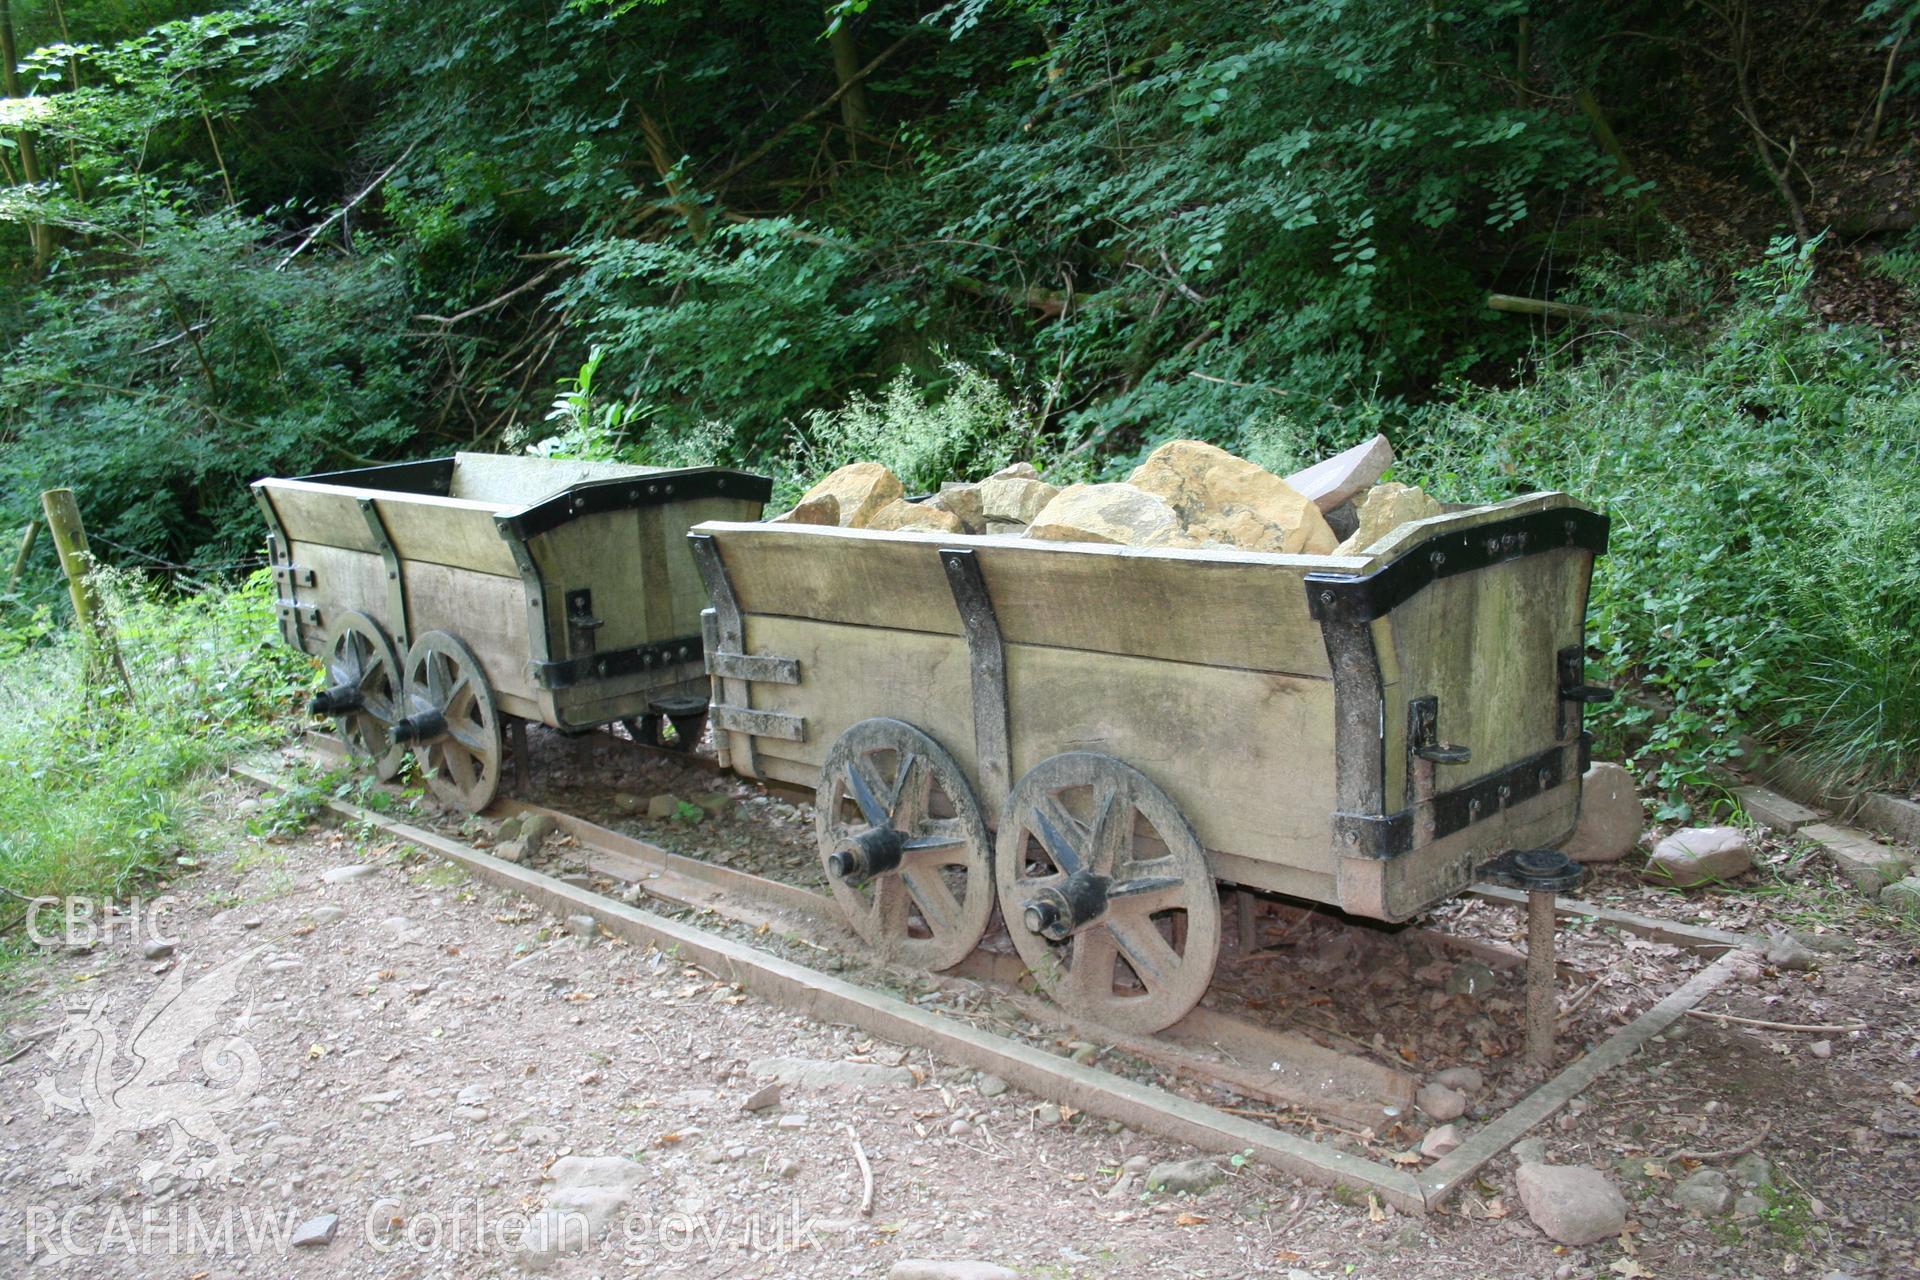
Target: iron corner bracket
column 1335, row 597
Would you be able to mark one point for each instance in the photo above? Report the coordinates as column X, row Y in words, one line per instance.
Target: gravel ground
column 417, row 1054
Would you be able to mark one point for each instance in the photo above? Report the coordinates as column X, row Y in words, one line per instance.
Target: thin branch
column 510, row 294
column 342, row 212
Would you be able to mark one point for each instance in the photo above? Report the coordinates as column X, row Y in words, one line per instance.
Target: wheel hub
column 1057, row 912
column 338, row 700
column 423, row 726
column 867, row 854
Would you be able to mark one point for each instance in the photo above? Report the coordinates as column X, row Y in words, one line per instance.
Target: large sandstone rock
column 824, row 509
column 1700, row 855
column 1572, row 1203
column 1009, row 503
column 1107, row 513
column 861, row 489
column 901, row 514
column 1382, row 509
column 963, row 500
column 1329, row 483
column 1017, row 471
column 1611, row 819
column 1221, row 498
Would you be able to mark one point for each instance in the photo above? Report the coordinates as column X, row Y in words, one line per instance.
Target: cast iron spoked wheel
column 361, row 660
column 1090, row 829
column 890, row 785
column 458, row 743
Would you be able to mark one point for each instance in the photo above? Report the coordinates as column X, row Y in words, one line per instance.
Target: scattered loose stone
column 787, row 1170
column 1440, row 1142
column 343, row 875
column 534, row 830
column 315, row 1233
column 663, row 807
column 808, row 1073
column 1787, row 952
column 928, row 1269
column 1611, row 817
column 1530, row 1151
column 1748, row 1205
column 1902, row 896
column 582, row 926
column 1705, row 1193
column 1821, row 1049
column 1188, row 1177
column 157, row 950
column 991, row 1086
column 327, row 914
column 1573, row 1204
column 1700, row 856
column 1752, row 1170
column 767, row 1095
column 1047, row 1114
column 1440, row 1102
column 1467, row 1080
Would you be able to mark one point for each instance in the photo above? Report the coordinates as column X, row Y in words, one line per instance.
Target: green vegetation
column 1765, row 560
column 95, row 795
column 277, row 238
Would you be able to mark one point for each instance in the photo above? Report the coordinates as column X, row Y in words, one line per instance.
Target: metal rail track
column 1207, row 1045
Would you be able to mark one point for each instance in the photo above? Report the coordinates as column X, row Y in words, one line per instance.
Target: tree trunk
column 853, row 96
column 38, row 232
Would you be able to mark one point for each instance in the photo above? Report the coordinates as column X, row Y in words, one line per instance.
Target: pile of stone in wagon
column 1186, row 494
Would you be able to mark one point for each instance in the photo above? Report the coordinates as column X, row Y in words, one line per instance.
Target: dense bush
column 1765, row 565
column 95, row 791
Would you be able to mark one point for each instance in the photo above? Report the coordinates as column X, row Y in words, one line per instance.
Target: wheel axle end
column 873, row 852
column 424, row 727
column 339, row 699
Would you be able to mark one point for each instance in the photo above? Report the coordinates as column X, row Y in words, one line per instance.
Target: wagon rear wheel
column 1107, row 893
column 904, row 844
column 363, row 692
column 452, row 722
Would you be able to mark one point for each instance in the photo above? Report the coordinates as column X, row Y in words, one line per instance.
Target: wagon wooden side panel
column 1362, row 731
column 566, row 587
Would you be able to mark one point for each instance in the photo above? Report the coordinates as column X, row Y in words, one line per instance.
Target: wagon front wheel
column 452, row 722
column 904, row 844
column 363, row 692
column 1107, row 893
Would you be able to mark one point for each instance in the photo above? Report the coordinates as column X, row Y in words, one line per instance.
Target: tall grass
column 1764, row 484
column 95, row 795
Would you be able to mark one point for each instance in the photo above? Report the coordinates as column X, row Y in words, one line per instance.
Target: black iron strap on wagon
column 1347, row 606
column 1335, row 597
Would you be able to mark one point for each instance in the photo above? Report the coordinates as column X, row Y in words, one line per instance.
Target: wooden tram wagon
column 455, row 598
column 1091, row 737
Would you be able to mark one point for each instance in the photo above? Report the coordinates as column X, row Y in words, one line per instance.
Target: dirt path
column 414, row 1054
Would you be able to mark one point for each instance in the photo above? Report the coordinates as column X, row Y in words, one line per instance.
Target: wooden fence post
column 27, row 540
column 76, row 561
